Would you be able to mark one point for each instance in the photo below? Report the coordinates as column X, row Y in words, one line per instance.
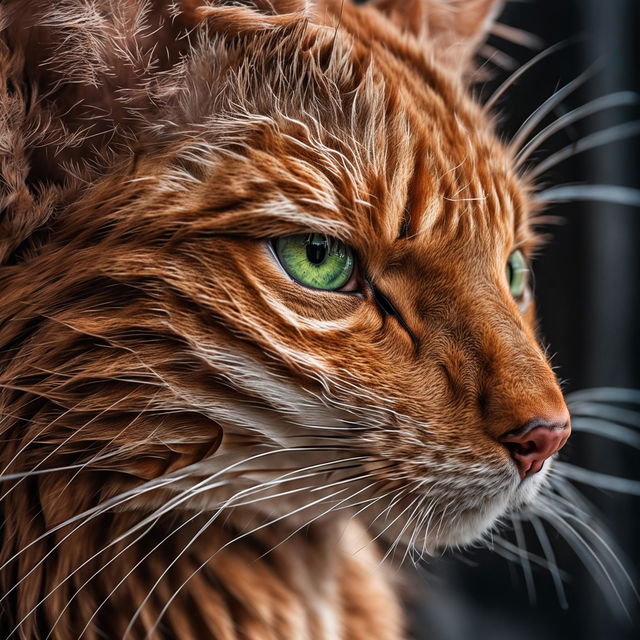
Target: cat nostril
column 535, row 442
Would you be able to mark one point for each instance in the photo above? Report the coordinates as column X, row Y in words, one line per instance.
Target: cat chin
column 472, row 526
column 457, row 530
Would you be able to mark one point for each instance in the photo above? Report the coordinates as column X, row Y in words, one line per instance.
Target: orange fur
column 165, row 386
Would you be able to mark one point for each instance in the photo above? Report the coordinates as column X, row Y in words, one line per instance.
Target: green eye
column 316, row 260
column 517, row 274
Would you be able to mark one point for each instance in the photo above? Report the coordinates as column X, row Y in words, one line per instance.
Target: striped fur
column 193, row 444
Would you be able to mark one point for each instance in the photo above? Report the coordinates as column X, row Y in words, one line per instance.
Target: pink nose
column 536, row 441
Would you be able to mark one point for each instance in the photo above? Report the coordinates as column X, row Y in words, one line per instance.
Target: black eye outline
column 387, row 308
column 357, row 285
column 353, row 286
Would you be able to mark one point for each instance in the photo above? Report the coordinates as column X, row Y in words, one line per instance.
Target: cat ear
column 456, row 27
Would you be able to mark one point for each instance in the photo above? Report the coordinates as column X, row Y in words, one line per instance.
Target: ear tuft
column 456, row 27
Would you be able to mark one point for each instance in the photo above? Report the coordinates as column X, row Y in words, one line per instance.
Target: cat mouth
column 454, row 524
column 475, row 524
column 529, row 488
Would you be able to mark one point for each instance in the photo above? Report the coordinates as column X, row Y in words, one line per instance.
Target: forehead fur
column 331, row 110
column 343, row 128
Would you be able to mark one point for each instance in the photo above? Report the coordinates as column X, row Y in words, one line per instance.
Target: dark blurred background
column 588, row 292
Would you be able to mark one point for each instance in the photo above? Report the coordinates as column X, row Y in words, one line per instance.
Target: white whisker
column 605, row 394
column 524, row 561
column 610, row 101
column 605, row 429
column 224, row 546
column 599, row 138
column 516, row 75
column 600, row 480
column 586, row 553
column 545, row 108
column 612, row 193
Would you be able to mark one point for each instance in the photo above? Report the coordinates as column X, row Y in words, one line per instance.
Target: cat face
column 186, row 341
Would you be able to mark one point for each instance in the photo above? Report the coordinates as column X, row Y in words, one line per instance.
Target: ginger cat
column 265, row 314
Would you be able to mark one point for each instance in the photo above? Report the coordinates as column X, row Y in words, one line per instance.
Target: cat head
column 264, row 249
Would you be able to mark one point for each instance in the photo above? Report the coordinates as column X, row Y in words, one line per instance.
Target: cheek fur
column 191, row 438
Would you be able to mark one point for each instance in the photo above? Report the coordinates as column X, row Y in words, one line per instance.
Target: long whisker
column 106, row 505
column 612, row 193
column 499, row 92
column 524, row 561
column 599, row 480
column 416, row 518
column 560, row 486
column 80, row 588
column 369, row 502
column 155, row 516
column 591, row 559
column 606, row 412
column 27, row 444
column 605, row 394
column 546, row 107
column 126, row 576
column 420, row 520
column 334, row 507
column 593, row 140
column 619, row 99
column 381, row 533
column 408, row 522
column 40, row 472
column 512, row 552
column 606, row 429
column 110, row 503
column 224, row 546
column 429, row 513
column 587, row 555
column 106, row 446
column 607, row 546
column 94, row 512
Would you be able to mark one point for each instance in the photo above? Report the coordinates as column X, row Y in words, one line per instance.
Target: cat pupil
column 316, row 251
